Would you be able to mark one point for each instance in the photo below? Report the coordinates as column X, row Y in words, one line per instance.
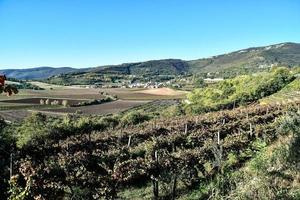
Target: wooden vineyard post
column 129, row 141
column 173, row 147
column 68, row 149
column 251, row 131
column 90, row 142
column 154, row 124
column 174, row 187
column 11, row 165
column 155, row 177
column 218, row 152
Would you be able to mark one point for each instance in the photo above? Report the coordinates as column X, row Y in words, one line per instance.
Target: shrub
column 132, row 118
column 65, row 103
column 31, row 130
column 55, row 102
column 42, row 102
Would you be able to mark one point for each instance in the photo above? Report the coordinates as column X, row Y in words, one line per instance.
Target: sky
column 89, row 33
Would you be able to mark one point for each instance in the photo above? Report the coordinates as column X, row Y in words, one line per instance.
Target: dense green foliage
column 240, row 90
column 8, row 89
column 26, row 85
column 293, row 86
column 132, row 118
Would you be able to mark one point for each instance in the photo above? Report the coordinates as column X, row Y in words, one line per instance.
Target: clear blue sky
column 88, row 33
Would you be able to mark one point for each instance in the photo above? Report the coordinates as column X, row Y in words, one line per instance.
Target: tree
column 199, row 82
column 8, row 89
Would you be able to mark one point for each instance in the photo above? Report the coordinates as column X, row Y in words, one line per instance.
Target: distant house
column 213, row 80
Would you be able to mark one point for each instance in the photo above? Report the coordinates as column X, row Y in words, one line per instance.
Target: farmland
column 102, row 109
column 28, row 101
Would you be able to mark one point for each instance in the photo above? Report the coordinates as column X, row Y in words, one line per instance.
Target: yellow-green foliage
column 289, row 93
column 134, row 117
column 33, row 128
column 293, row 86
column 240, row 90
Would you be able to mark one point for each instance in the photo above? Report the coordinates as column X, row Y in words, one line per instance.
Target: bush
column 42, row 102
column 133, row 118
column 172, row 111
column 32, row 130
column 55, row 102
column 47, row 102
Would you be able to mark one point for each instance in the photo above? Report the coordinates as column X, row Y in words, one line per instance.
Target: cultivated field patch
column 37, row 100
column 162, row 92
column 101, row 109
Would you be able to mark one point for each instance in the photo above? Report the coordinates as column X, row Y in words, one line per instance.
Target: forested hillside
column 244, row 61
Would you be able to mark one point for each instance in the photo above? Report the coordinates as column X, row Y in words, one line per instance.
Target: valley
column 106, row 135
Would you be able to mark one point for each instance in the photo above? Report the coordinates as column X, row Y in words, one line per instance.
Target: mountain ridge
column 249, row 59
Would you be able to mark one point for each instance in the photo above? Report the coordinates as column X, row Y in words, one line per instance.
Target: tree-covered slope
column 242, row 61
column 153, row 67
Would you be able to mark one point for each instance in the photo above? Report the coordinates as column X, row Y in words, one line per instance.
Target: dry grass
column 162, row 92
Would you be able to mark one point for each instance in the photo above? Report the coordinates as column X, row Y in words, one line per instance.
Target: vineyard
column 172, row 155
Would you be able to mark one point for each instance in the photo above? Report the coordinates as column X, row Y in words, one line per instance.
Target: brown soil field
column 37, row 100
column 101, row 109
column 145, row 94
column 14, row 115
column 76, row 92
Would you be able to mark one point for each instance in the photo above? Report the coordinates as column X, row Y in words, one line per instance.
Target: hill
column 153, row 67
column 243, row 61
column 251, row 59
column 239, row 62
column 36, row 73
